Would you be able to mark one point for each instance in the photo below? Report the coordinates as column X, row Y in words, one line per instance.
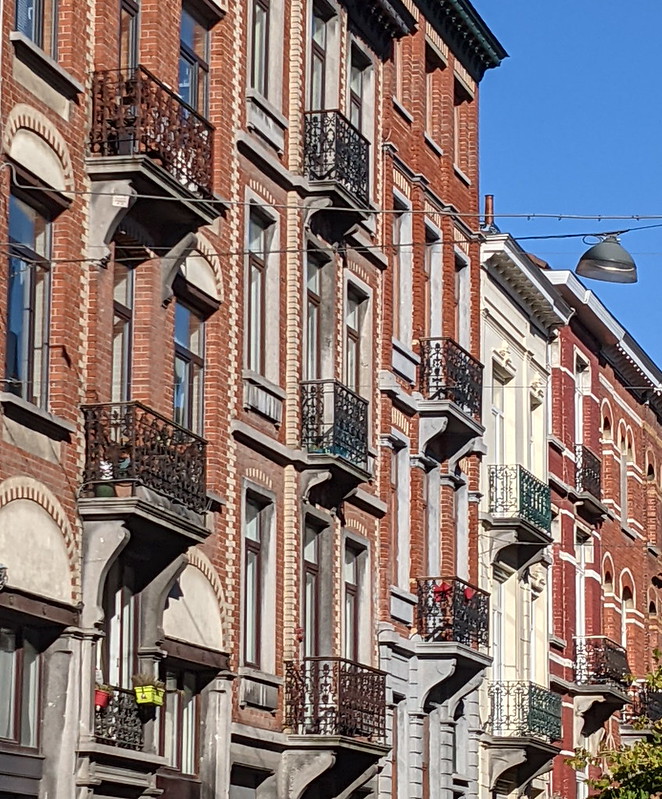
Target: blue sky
column 572, row 123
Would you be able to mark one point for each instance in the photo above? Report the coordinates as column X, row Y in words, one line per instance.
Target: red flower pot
column 101, row 698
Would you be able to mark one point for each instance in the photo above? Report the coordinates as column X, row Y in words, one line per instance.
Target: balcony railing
column 450, row 372
column 588, row 472
column 129, row 443
column 334, row 150
column 119, row 723
column 332, row 696
column 524, row 710
column 133, row 113
column 600, row 661
column 334, row 421
column 646, row 705
column 516, row 494
column 451, row 610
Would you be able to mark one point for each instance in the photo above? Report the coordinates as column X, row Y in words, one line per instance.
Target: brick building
column 240, row 342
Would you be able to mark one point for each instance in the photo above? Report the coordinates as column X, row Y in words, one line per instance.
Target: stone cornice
column 380, row 21
column 466, row 33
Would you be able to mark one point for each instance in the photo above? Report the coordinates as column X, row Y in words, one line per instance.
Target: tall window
column 460, row 301
column 626, row 457
column 432, row 266
column 358, row 67
column 260, row 46
column 311, row 590
column 189, row 367
column 318, row 53
column 395, row 515
column 353, row 313
column 398, row 222
column 498, row 421
column 194, row 62
column 402, row 273
column 255, row 535
column 433, row 93
column 128, row 44
column 122, row 332
column 256, row 305
column 582, row 386
column 20, row 668
column 26, row 368
column 351, row 586
column 313, row 319
column 37, row 19
column 120, row 604
column 179, row 730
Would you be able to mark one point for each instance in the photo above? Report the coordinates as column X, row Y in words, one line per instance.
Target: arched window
column 608, row 583
column 627, row 606
column 606, row 429
column 652, row 608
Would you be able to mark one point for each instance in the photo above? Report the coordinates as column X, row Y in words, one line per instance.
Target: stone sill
column 460, row 174
column 432, row 144
column 35, row 418
column 44, row 66
column 399, row 107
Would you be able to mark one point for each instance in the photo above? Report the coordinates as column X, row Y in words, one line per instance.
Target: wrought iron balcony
column 588, row 472
column 516, row 494
column 646, row 705
column 332, row 696
column 524, row 710
column 334, row 421
column 451, row 610
column 449, row 372
column 335, row 151
column 133, row 113
column 130, row 444
column 600, row 661
column 119, row 723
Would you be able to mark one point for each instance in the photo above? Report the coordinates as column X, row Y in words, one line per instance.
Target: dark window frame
column 260, row 83
column 199, row 63
column 258, row 262
column 179, row 670
column 19, row 630
column 192, row 360
column 39, row 10
column 255, row 548
column 132, row 9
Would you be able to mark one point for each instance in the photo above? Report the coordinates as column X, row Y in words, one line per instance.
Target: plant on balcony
column 102, row 696
column 630, row 772
column 148, row 691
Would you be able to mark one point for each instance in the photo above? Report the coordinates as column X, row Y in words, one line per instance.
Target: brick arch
column 206, row 249
column 651, row 465
column 23, row 116
column 608, row 569
column 200, row 561
column 626, row 581
column 606, row 414
column 23, row 487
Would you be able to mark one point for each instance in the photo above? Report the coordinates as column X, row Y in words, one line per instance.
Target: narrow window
column 256, row 300
column 398, row 69
column 128, row 37
column 180, row 721
column 313, row 319
column 311, row 590
column 28, row 307
column 353, row 315
column 499, row 447
column 37, row 19
column 433, row 90
column 432, row 269
column 20, row 677
column 351, row 590
column 122, row 332
column 194, row 62
column 395, row 516
column 318, row 56
column 120, row 605
column 398, row 219
column 189, row 368
column 260, row 46
column 254, row 541
column 357, row 85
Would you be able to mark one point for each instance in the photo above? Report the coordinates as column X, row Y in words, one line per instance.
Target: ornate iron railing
column 646, row 704
column 524, row 709
column 334, row 150
column 133, row 113
column 127, row 442
column 333, row 696
column 600, row 661
column 451, row 610
column 516, row 493
column 334, row 421
column 588, row 472
column 119, row 723
column 449, row 372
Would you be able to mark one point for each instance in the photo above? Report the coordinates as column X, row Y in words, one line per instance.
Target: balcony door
column 319, row 37
column 128, row 37
column 120, row 605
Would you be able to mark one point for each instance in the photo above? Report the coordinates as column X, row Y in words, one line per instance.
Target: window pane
column 312, row 341
column 7, row 681
column 171, row 734
column 255, row 333
column 350, row 365
column 251, row 588
column 252, row 523
column 41, row 279
column 182, row 323
column 128, row 25
column 310, row 614
column 350, row 567
column 181, row 393
column 260, row 45
column 350, row 626
column 30, row 693
column 26, row 19
column 121, row 356
column 317, row 83
column 310, row 544
column 189, row 724
column 186, row 86
column 18, row 321
column 256, row 236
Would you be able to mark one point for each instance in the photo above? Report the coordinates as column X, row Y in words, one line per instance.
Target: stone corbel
column 503, row 760
column 591, row 714
column 110, row 202
column 430, row 673
column 311, row 479
column 152, row 604
column 361, row 780
column 171, row 262
column 430, row 428
column 102, row 544
column 298, row 770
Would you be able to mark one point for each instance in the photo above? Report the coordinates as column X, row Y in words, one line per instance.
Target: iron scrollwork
column 334, row 421
column 516, row 493
column 450, row 372
column 588, row 470
column 334, row 150
column 119, row 723
column 128, row 442
column 521, row 709
column 451, row 610
column 600, row 661
column 133, row 113
column 333, row 696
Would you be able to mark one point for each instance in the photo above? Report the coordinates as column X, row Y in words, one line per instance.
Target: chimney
column 488, row 221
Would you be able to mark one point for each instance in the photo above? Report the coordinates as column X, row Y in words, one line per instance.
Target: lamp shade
column 608, row 261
